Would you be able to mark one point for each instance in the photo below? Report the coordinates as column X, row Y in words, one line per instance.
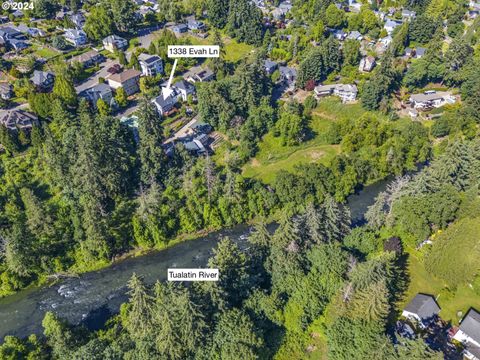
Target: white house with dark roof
column 164, row 104
column 113, row 43
column 346, row 92
column 469, row 335
column 151, row 64
column 184, row 89
column 422, row 309
column 75, row 37
column 432, row 99
column 97, row 92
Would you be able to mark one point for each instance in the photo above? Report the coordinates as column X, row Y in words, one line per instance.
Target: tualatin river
column 93, row 297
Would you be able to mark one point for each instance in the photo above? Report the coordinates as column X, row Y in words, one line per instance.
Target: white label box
column 193, row 51
column 193, row 275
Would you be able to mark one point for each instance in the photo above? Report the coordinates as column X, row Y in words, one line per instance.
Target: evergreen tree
column 124, row 16
column 64, row 90
column 122, row 59
column 218, row 12
column 235, row 337
column 137, row 313
column 152, row 156
column 134, row 63
column 245, row 22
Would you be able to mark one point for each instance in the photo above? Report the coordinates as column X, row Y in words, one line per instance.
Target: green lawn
column 46, row 53
column 235, row 51
column 423, row 282
column 273, row 157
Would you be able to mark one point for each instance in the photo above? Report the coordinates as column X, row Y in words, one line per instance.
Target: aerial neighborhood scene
column 240, row 179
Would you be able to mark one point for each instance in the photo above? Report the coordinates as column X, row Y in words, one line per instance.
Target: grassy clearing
column 46, row 53
column 235, row 51
column 273, row 157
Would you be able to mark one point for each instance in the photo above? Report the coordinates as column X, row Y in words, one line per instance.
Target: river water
column 93, row 297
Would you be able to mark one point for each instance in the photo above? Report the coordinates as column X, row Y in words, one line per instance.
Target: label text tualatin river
column 93, row 297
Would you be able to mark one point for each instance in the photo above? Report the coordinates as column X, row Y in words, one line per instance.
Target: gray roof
column 13, row 119
column 420, row 51
column 288, row 71
column 101, row 89
column 354, row 35
column 163, row 103
column 269, row 64
column 40, row 77
column 471, row 325
column 204, row 73
column 113, row 38
column 429, row 96
column 148, row 58
column 10, row 31
column 424, row 306
column 5, row 88
column 184, row 85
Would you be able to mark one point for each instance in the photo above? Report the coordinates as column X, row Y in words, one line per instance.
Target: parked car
column 115, row 69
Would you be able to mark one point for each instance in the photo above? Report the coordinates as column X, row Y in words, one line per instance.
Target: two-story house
column 90, row 58
column 165, row 102
column 97, row 92
column 423, row 309
column 128, row 80
column 75, row 37
column 18, row 119
column 113, row 43
column 184, row 89
column 151, row 64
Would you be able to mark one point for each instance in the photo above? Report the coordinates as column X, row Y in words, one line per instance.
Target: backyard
column 454, row 302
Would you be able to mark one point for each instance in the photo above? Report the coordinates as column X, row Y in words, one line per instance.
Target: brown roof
column 125, row 75
column 85, row 57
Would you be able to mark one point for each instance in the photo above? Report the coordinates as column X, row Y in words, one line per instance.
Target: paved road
column 93, row 80
column 133, row 106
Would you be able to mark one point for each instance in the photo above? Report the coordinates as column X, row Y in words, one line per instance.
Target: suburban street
column 93, row 80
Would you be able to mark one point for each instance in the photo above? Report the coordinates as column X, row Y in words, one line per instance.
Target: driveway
column 93, row 80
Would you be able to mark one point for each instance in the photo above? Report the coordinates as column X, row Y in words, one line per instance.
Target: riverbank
column 94, row 296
